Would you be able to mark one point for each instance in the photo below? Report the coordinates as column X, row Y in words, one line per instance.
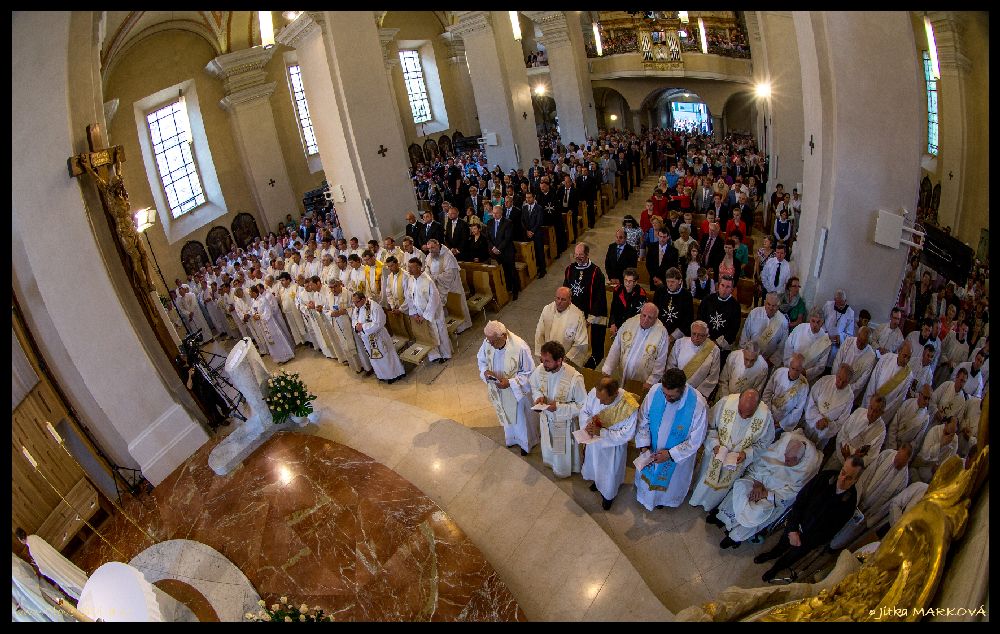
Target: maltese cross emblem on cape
column 718, row 321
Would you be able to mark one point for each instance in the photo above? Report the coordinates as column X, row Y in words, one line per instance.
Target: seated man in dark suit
column 500, row 233
column 456, row 232
column 430, row 229
column 660, row 257
column 821, row 509
column 712, row 248
column 621, row 256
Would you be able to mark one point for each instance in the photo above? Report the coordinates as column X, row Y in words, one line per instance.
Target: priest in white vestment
column 786, row 394
column 395, row 287
column 222, row 310
column 838, row 322
column 609, row 415
column 370, row 333
column 672, row 423
column 926, row 335
column 891, row 379
column 279, row 346
column 905, row 500
column 829, row 404
column 968, row 425
column 328, row 270
column 883, row 479
column 31, row 596
column 949, row 400
column 563, row 322
column 53, row 565
column 977, row 370
column 424, row 303
column 355, row 280
column 767, row 488
column 698, row 358
column 861, row 357
column 311, row 267
column 922, row 367
column 739, row 428
column 410, row 251
column 443, row 268
column 287, row 291
column 940, row 443
column 309, row 301
column 768, row 328
column 888, row 337
column 639, row 351
column 187, row 302
column 744, row 371
column 559, row 387
column 215, row 314
column 337, row 306
column 954, row 350
column 243, row 305
column 911, row 421
column 811, row 341
column 505, row 366
column 861, row 434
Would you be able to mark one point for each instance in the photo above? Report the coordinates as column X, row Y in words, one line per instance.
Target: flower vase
column 313, row 416
column 298, row 420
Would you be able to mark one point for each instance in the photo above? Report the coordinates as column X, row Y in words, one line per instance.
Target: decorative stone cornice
column 472, row 23
column 554, row 26
column 247, row 95
column 241, row 69
column 948, row 30
column 301, row 29
column 455, row 46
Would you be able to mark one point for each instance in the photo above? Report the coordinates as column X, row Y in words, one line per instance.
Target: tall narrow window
column 932, row 106
column 171, row 137
column 416, row 88
column 302, row 110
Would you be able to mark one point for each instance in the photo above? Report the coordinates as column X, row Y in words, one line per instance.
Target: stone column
column 718, row 127
column 858, row 129
column 500, row 85
column 355, row 118
column 574, row 98
column 635, row 120
column 466, row 119
column 248, row 102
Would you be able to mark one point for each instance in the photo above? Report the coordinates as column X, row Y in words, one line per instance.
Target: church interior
column 164, row 162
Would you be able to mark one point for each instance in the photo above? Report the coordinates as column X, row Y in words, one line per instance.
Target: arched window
column 416, row 87
column 932, row 106
column 302, row 110
column 170, row 134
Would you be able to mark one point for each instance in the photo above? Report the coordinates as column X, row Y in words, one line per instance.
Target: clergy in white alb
column 32, row 597
column 308, row 300
column 222, row 306
column 968, row 425
column 372, row 276
column 925, row 336
column 609, row 415
column 505, row 366
column 838, row 322
column 395, row 287
column 888, row 337
column 954, row 351
column 370, row 333
column 243, row 304
column 53, row 565
column 948, row 400
column 883, row 479
column 287, row 291
column 743, row 371
column 861, row 434
column 767, row 488
column 861, row 357
column 639, row 351
column 337, row 305
column 940, row 443
column 672, row 423
column 311, row 267
column 911, row 421
column 976, row 380
column 355, row 279
column 279, row 346
column 559, row 387
column 811, row 341
column 829, row 404
column 922, row 367
column 768, row 328
column 187, row 302
column 698, row 358
column 443, row 268
column 905, row 500
column 209, row 296
column 786, row 394
column 563, row 322
column 891, row 379
column 739, row 428
column 424, row 303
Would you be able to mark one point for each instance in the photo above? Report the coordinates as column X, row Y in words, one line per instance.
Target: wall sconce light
column 266, row 29
column 515, row 24
column 540, row 90
column 763, row 90
column 144, row 219
column 613, row 117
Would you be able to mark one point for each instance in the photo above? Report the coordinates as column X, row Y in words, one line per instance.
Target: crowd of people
column 536, row 59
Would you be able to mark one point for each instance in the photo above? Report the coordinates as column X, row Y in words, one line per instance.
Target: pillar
column 718, row 127
column 500, row 86
column 858, row 128
column 248, row 103
column 355, row 118
column 574, row 99
column 635, row 121
column 466, row 119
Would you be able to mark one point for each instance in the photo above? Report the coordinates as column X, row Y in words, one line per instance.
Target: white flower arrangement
column 288, row 396
column 285, row 612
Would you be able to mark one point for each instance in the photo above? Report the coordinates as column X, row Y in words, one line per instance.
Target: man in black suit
column 305, row 229
column 532, row 219
column 413, row 228
column 430, row 229
column 621, row 256
column 456, row 232
column 660, row 257
column 512, row 213
column 586, row 185
column 474, row 200
column 722, row 213
column 499, row 232
column 625, row 173
column 712, row 248
column 569, row 203
column 550, row 214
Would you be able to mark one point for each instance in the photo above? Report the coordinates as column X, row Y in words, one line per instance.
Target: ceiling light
column 763, row 90
column 540, row 89
column 515, row 24
column 266, row 29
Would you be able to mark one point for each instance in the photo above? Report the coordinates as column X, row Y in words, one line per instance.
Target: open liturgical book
column 583, row 437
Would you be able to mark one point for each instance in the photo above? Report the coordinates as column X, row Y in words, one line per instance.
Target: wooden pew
column 495, row 280
column 525, row 252
column 477, row 301
column 553, row 245
column 570, row 233
column 424, row 340
column 66, row 520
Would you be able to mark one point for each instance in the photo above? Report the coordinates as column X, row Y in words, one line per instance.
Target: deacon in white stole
column 767, row 327
column 560, row 387
column 611, row 414
column 880, row 482
column 639, row 352
column 395, row 287
column 672, row 424
column 910, row 422
column 856, row 352
column 786, row 393
column 244, row 312
column 891, row 378
column 287, row 292
column 443, row 268
column 949, row 400
column 863, row 431
column 563, row 322
column 811, row 341
column 337, row 313
column 742, row 372
column 312, row 320
column 698, row 357
column 829, row 403
column 424, row 302
column 940, row 443
column 505, row 366
column 278, row 344
column 370, row 333
column 740, row 427
column 355, row 280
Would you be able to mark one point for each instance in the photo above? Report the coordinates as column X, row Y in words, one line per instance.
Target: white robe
column 886, row 338
column 53, row 565
column 920, row 374
column 417, row 253
column 837, row 325
column 931, row 455
column 395, row 288
column 423, row 299
column 559, row 448
column 310, row 317
column 28, row 592
column 878, row 484
column 244, row 307
column 862, row 361
column 513, row 404
column 789, row 414
column 908, row 425
column 803, row 340
column 706, row 377
column 684, row 454
column 354, row 279
column 945, row 402
column 293, row 316
column 642, row 359
column 311, row 269
column 751, row 435
column 192, row 316
column 974, row 385
column 339, row 327
column 826, row 401
column 969, row 421
column 917, row 349
column 884, row 370
column 278, row 344
column 375, row 340
column 447, row 275
column 568, row 328
column 856, row 432
column 604, row 459
column 736, row 377
column 905, row 500
column 757, row 323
